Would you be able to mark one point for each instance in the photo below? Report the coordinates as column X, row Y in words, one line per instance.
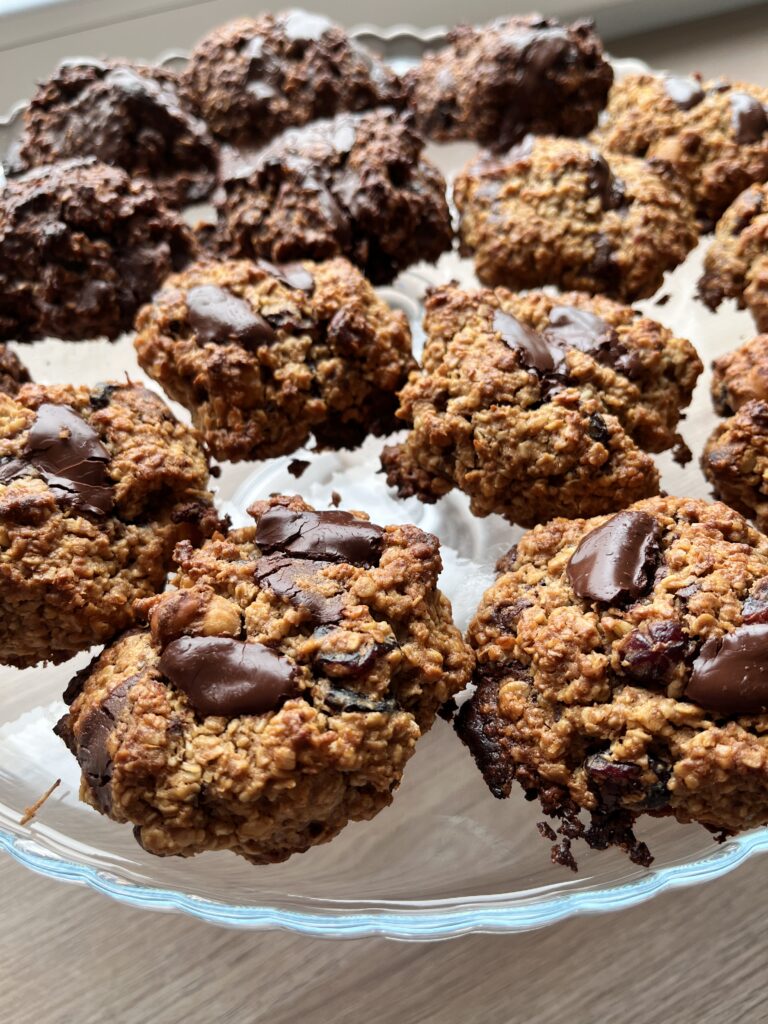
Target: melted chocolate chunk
column 349, row 700
column 650, row 656
column 598, row 430
column 535, row 352
column 12, row 469
column 228, row 677
column 730, row 674
column 332, row 536
column 602, row 182
column 69, row 456
column 292, row 275
column 756, row 606
column 749, row 118
column 570, row 327
column 280, row 574
column 296, row 467
column 686, row 93
column 218, row 316
column 614, row 561
column 91, row 745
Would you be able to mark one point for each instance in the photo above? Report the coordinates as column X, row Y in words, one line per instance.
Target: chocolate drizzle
column 730, row 674
column 685, row 93
column 749, row 118
column 329, row 536
column 227, row 677
column 614, row 561
column 68, row 454
column 218, row 316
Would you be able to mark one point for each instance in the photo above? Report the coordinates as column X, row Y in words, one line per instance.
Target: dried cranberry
column 649, row 657
column 613, row 780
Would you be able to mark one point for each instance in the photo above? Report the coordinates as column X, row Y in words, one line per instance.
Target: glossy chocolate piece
column 292, row 275
column 330, row 536
column 570, row 327
column 686, row 93
column 281, row 574
column 602, row 182
column 535, row 352
column 220, row 317
column 614, row 561
column 227, row 677
column 750, row 120
column 730, row 675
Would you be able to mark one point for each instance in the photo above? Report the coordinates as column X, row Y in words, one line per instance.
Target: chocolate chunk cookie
column 623, row 670
column 539, row 405
column 279, row 690
column 355, row 186
column 253, row 78
column 740, row 375
column 736, row 264
column 714, row 134
column 558, row 211
column 495, row 83
column 126, row 115
column 81, row 247
column 12, row 371
column 264, row 356
column 96, row 487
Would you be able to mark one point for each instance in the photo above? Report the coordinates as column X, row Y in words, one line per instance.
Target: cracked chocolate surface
column 561, row 212
column 537, row 405
column 264, row 356
column 251, row 726
column 653, row 703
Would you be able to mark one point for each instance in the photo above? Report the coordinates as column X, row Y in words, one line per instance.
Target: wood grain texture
column 70, row 956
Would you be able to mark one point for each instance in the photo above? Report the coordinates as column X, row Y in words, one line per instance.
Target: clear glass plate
column 446, row 858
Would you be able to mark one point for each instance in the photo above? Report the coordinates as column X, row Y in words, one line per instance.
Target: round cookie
column 278, row 692
column 355, row 185
column 12, row 371
column 81, row 247
column 124, row 114
column 736, row 263
column 497, row 82
column 253, row 78
column 263, row 356
column 96, row 487
column 735, row 461
column 621, row 670
column 740, row 375
column 714, row 134
column 536, row 405
column 558, row 211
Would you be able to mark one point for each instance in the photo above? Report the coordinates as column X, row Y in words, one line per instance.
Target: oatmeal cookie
column 278, row 692
column 97, row 485
column 497, row 82
column 124, row 114
column 558, row 211
column 740, row 375
column 736, row 263
column 13, row 373
column 714, row 134
column 255, row 77
column 264, row 356
column 536, row 405
column 621, row 670
column 81, row 247
column 735, row 461
column 355, row 186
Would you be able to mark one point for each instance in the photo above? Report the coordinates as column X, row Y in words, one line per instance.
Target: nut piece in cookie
column 622, row 669
column 736, row 263
column 561, row 212
column 127, row 115
column 278, row 691
column 537, row 404
column 254, row 77
column 96, row 487
column 497, row 82
column 266, row 355
column 713, row 134
column 81, row 248
column 355, row 185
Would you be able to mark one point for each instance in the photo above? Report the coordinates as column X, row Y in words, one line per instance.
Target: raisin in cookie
column 126, row 115
column 96, row 487
column 623, row 670
column 537, row 405
column 355, row 186
column 497, row 82
column 736, row 264
column 81, row 247
column 278, row 692
column 558, row 211
column 253, row 78
column 714, row 134
column 264, row 356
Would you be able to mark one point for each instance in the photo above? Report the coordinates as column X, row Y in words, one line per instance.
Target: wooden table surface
column 689, row 957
